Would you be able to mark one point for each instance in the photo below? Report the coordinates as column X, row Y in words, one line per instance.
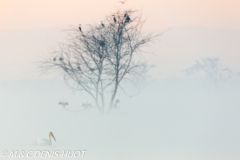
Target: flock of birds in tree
column 54, row 59
column 126, row 16
column 43, row 141
column 127, row 20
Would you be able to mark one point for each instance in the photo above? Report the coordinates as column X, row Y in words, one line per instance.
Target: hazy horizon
column 188, row 109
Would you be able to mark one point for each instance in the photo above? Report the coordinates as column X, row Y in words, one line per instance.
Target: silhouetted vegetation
column 97, row 58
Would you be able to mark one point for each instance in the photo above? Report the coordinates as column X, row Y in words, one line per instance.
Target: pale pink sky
column 30, row 14
column 28, row 28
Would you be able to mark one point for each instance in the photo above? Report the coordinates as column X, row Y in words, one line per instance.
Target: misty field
column 170, row 119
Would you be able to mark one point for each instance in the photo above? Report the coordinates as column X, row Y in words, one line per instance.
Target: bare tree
column 96, row 59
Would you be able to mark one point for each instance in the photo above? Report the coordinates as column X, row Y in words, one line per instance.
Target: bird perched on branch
column 127, row 19
column 102, row 24
column 80, row 28
column 114, row 19
column 102, row 43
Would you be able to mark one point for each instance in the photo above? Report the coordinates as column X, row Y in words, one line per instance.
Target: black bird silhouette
column 102, row 24
column 60, row 58
column 54, row 59
column 114, row 19
column 80, row 28
column 127, row 19
column 102, row 43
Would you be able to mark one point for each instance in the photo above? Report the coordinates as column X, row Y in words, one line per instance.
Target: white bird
column 45, row 142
